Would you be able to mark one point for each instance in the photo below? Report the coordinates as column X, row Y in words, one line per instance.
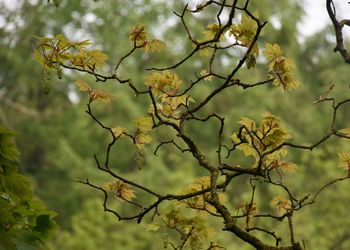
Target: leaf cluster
column 165, row 87
column 244, row 33
column 139, row 36
column 255, row 140
column 24, row 220
column 280, row 68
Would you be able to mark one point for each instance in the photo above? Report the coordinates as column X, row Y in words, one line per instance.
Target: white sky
column 317, row 16
column 315, row 20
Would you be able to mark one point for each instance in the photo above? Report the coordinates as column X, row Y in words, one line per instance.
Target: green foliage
column 94, row 230
column 24, row 221
column 55, row 144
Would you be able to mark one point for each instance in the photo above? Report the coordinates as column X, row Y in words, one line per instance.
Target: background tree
column 25, row 222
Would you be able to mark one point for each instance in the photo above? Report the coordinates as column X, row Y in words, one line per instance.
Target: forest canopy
column 206, row 124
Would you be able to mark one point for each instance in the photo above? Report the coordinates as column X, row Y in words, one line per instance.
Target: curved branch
column 338, row 28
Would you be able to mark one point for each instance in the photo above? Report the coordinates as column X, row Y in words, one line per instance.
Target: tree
column 253, row 154
column 25, row 222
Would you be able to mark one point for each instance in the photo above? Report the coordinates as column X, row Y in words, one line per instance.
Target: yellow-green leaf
column 344, row 158
column 100, row 95
column 83, row 86
column 96, row 58
column 152, row 227
column 177, row 101
column 154, row 46
column 138, row 35
column 288, row 166
column 206, row 75
column 205, row 52
column 247, row 149
column 280, row 68
column 38, row 56
column 281, row 203
column 212, row 30
column 235, row 138
column 120, row 190
column 272, row 51
column 248, row 123
column 144, row 124
column 199, row 201
column 245, row 31
column 163, row 82
column 141, row 139
column 345, row 131
column 119, row 131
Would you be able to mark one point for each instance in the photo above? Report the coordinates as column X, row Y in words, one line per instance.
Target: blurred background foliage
column 57, row 139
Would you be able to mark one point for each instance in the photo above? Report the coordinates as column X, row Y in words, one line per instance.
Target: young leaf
column 212, row 30
column 280, row 68
column 253, row 139
column 141, row 139
column 100, row 95
column 344, row 158
column 97, row 58
column 176, row 101
column 120, row 190
column 138, row 35
column 83, row 86
column 248, row 123
column 205, row 52
column 144, row 124
column 160, row 80
column 152, row 227
column 288, row 166
column 206, row 75
column 154, row 46
column 345, row 131
column 272, row 51
column 245, row 31
column 247, row 149
column 281, row 203
column 119, row 131
column 199, row 202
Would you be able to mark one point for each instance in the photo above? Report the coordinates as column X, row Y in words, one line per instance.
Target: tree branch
column 338, row 29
